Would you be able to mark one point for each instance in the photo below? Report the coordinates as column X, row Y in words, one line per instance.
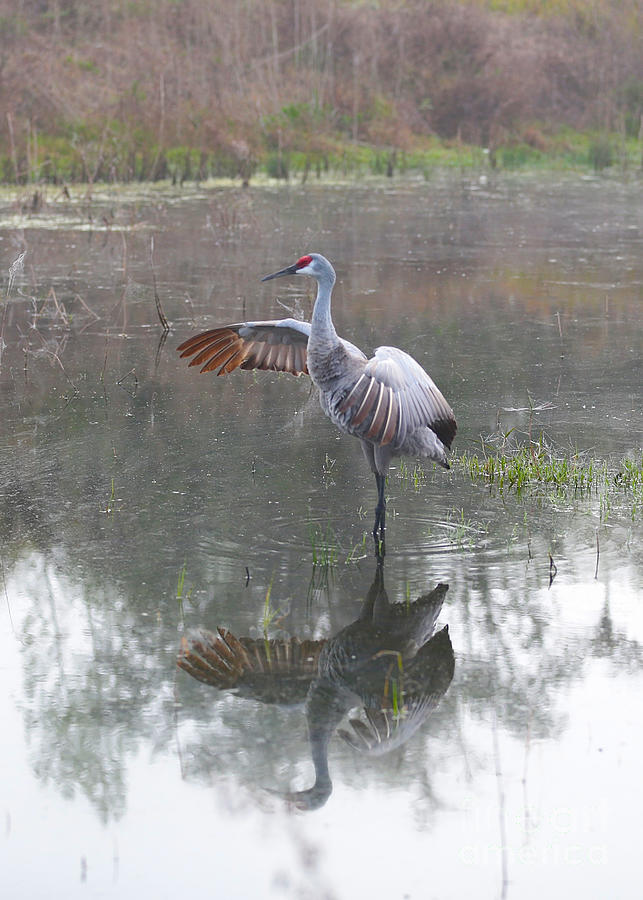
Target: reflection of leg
column 380, row 546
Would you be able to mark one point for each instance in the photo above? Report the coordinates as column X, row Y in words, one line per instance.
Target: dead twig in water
column 188, row 300
column 86, row 307
column 159, row 308
column 16, row 268
column 60, row 308
column 553, row 570
column 6, row 594
column 598, row 556
column 560, row 334
column 102, row 373
column 131, row 372
column 162, row 341
column 54, row 356
column 122, row 301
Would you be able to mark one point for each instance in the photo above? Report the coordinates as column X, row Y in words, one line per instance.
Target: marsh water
column 140, row 500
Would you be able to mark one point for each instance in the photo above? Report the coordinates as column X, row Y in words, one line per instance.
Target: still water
column 141, row 500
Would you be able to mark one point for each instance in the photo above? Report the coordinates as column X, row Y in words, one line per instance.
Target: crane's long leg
column 380, row 509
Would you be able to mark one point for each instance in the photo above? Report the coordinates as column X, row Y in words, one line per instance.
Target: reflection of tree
column 609, row 643
column 88, row 687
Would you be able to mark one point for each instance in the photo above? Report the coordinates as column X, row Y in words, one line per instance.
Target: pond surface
column 141, row 500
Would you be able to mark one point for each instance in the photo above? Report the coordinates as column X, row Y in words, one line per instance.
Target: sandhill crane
column 388, row 402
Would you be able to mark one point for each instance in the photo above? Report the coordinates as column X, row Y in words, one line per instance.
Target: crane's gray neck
column 322, row 323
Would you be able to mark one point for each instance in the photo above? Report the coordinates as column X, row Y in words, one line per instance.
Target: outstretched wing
column 393, row 397
column 272, row 671
column 425, row 681
column 279, row 346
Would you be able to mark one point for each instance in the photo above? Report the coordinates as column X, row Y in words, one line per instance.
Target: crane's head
column 313, row 264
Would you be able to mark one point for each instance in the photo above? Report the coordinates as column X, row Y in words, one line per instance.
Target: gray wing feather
column 278, row 346
column 279, row 331
column 392, row 398
column 426, row 679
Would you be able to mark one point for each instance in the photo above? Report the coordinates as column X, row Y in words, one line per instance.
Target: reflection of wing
column 394, row 397
column 411, row 624
column 418, row 689
column 278, row 346
column 273, row 671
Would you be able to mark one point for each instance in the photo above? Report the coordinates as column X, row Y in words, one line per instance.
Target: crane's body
column 388, row 401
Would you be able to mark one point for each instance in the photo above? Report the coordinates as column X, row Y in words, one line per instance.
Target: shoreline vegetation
column 121, row 91
column 573, row 474
column 537, row 468
column 568, row 152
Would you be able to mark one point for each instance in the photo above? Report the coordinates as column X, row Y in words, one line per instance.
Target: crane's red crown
column 303, row 262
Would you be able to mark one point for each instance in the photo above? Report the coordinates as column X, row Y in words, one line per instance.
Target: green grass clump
column 538, row 466
column 270, row 614
column 323, row 544
column 411, row 478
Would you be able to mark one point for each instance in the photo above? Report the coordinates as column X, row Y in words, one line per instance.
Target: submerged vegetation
column 194, row 89
column 323, row 546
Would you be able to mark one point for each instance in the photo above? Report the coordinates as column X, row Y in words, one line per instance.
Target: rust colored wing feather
column 355, row 395
column 206, row 353
column 300, row 360
column 234, row 361
column 269, row 670
column 376, row 409
column 291, row 361
column 381, row 416
column 367, row 404
column 222, row 356
column 392, row 423
column 270, row 346
column 198, row 341
column 216, row 659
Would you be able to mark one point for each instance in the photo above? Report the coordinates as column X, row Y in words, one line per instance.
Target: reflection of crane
column 388, row 402
column 388, row 661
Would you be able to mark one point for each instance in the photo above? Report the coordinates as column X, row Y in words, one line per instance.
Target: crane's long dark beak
column 289, row 270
